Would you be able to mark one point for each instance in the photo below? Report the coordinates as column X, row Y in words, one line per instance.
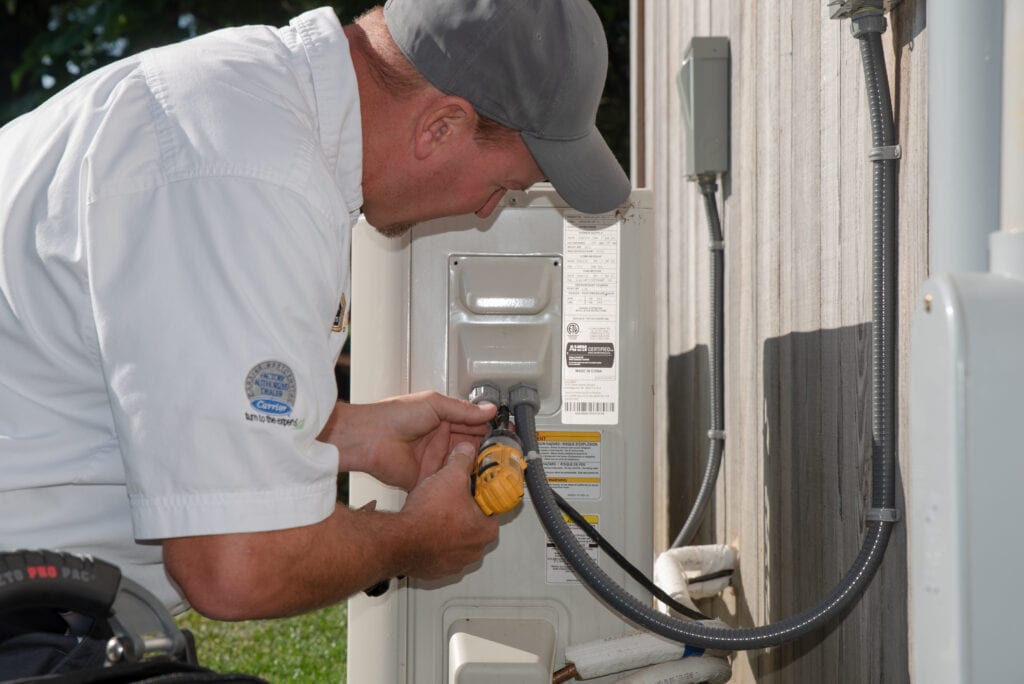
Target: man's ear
column 444, row 121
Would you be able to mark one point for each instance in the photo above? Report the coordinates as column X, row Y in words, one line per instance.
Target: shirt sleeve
column 214, row 300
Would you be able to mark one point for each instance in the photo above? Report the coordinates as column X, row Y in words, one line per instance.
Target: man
column 174, row 290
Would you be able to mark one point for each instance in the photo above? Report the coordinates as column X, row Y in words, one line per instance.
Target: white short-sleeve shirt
column 174, row 288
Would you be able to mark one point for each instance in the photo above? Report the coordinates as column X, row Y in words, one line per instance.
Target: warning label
column 557, row 570
column 572, row 461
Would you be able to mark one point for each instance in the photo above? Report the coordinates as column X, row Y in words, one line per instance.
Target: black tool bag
column 66, row 619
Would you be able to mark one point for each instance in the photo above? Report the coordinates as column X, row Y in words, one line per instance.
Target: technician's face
column 469, row 183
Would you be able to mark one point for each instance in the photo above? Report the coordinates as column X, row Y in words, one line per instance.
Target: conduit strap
column 716, row 434
column 716, row 245
column 883, row 515
column 885, row 153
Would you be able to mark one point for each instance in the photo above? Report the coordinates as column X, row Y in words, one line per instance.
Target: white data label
column 590, row 313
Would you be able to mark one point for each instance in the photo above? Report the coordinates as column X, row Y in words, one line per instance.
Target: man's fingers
column 459, row 411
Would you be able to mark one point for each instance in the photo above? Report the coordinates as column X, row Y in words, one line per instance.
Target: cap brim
column 584, row 171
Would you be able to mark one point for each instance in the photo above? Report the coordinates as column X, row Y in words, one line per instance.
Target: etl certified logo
column 270, row 387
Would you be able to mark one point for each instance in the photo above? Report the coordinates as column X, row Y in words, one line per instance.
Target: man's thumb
column 462, row 455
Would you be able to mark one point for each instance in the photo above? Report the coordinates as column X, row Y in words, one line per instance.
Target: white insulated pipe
column 965, row 83
column 639, row 649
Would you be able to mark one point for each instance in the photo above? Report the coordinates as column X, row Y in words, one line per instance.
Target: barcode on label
column 590, row 406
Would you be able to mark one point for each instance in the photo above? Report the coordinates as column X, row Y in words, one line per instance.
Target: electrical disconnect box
column 703, row 82
column 540, row 294
column 964, row 476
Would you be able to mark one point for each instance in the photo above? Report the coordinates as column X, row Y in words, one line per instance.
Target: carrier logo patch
column 271, row 389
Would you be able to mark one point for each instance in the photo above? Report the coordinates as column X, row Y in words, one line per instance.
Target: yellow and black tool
column 499, row 471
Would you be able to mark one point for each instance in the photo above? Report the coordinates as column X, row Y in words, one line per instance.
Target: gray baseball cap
column 537, row 66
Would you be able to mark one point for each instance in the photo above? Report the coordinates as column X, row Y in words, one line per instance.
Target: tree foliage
column 47, row 44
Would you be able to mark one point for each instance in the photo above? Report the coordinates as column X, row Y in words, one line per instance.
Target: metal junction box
column 703, row 82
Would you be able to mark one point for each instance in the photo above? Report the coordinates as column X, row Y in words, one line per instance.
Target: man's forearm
column 439, row 531
column 285, row 572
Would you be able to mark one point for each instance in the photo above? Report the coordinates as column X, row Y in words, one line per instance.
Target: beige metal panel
column 796, row 210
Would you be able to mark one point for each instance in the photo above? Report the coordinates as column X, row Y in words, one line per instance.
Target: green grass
column 309, row 648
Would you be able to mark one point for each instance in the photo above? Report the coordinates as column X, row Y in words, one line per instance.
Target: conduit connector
column 868, row 22
column 485, row 391
column 523, row 394
column 843, row 9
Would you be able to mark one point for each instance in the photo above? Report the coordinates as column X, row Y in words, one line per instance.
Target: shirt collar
column 336, row 94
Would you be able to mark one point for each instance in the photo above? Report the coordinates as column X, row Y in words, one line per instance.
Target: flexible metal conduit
column 881, row 516
column 716, row 374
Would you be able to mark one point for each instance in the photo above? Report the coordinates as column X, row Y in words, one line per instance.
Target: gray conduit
column 882, row 515
column 716, row 374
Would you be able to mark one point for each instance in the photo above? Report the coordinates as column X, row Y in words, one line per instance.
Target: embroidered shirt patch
column 270, row 386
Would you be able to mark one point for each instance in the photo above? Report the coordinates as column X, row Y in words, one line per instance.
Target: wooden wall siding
column 796, row 211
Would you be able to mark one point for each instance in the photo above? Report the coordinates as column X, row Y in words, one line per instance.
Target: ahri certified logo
column 270, row 387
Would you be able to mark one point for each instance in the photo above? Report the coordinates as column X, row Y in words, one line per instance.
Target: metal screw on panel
column 927, row 303
column 115, row 650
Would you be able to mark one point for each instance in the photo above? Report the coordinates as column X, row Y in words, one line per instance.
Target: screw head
column 115, row 650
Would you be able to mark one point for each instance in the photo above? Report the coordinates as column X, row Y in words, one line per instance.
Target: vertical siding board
column 830, row 141
column 692, row 275
column 696, row 23
column 767, row 267
column 856, row 245
column 908, row 62
column 781, row 479
column 832, row 415
column 856, row 224
column 742, row 473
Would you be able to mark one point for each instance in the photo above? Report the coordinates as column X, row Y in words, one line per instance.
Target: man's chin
column 395, row 229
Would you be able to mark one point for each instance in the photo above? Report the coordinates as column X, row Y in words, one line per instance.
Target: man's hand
column 402, row 441
column 455, row 530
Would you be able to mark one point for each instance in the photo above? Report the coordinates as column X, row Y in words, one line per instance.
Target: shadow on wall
column 688, row 417
column 816, row 466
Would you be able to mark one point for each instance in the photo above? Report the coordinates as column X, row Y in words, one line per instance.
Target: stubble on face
column 395, row 229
